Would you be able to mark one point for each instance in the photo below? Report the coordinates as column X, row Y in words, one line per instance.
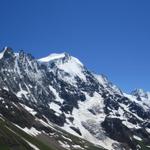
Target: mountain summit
column 59, row 102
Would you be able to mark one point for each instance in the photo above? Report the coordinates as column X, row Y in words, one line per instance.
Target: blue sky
column 109, row 36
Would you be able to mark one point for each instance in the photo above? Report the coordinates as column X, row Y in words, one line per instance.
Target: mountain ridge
column 60, row 91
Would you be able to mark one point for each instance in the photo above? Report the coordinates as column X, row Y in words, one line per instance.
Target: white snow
column 77, row 147
column 104, row 81
column 130, row 125
column 46, row 124
column 68, row 139
column 144, row 103
column 16, row 54
column 2, row 53
column 127, row 110
column 1, row 117
column 74, row 68
column 67, row 78
column 55, row 107
column 17, row 69
column 64, row 145
column 101, row 79
column 30, row 110
column 32, row 131
column 52, row 57
column 148, row 130
column 84, row 115
column 140, row 92
column 22, row 92
column 120, row 113
column 1, row 99
column 58, row 99
column 95, row 103
column 137, row 138
column 6, row 88
column 33, row 146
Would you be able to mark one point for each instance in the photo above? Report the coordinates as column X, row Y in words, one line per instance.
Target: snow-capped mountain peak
column 60, row 90
column 68, row 66
column 103, row 80
column 6, row 52
column 61, row 57
column 140, row 93
column 52, row 57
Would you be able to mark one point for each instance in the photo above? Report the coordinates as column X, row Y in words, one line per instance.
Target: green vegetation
column 12, row 138
column 143, row 145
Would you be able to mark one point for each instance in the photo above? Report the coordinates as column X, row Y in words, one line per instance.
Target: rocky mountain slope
column 57, row 101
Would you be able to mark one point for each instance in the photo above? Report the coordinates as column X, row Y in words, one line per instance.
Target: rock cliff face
column 59, row 93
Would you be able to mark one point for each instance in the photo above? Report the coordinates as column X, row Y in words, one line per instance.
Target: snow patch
column 144, row 103
column 33, row 146
column 83, row 115
column 30, row 110
column 52, row 57
column 130, row 125
column 2, row 53
column 67, row 138
column 148, row 130
column 55, row 107
column 64, row 145
column 77, row 147
column 73, row 67
column 32, row 131
column 22, row 92
column 137, row 138
column 58, row 99
column 70, row 67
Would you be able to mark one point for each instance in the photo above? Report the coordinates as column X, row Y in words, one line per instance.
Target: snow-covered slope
column 69, row 66
column 62, row 92
column 52, row 57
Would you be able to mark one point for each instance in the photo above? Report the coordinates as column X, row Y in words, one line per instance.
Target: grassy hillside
column 11, row 138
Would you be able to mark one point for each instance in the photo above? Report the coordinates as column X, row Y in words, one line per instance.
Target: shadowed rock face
column 62, row 91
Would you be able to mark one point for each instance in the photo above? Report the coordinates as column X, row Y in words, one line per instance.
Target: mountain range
column 56, row 103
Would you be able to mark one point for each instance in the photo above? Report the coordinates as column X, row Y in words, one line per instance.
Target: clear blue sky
column 109, row 36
